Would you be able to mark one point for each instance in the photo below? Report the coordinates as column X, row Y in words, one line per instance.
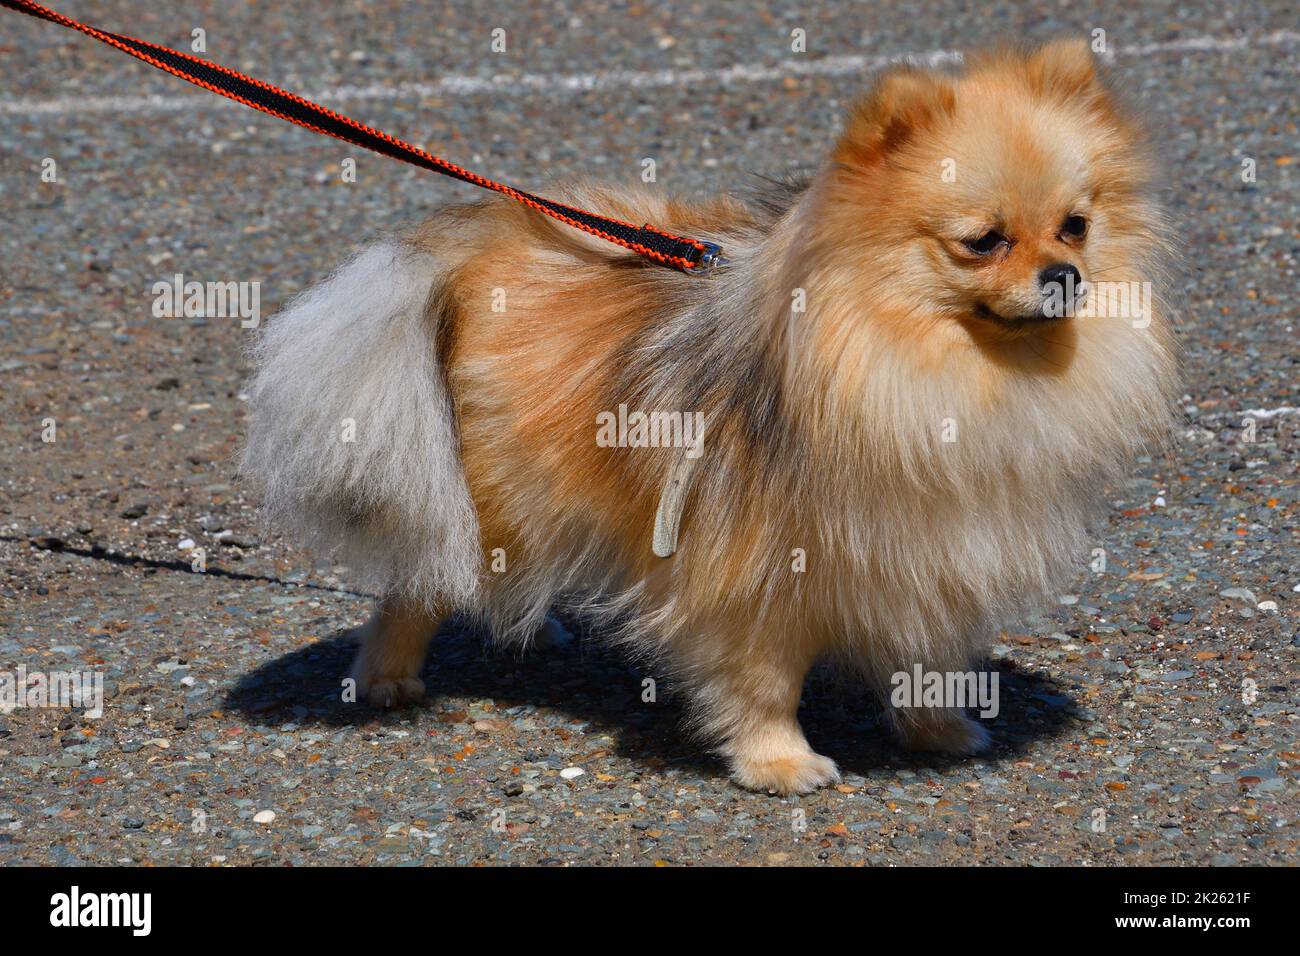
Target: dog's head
column 998, row 197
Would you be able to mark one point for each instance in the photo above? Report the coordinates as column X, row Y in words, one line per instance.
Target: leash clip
column 710, row 259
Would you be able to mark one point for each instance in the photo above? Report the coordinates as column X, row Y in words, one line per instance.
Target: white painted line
column 1267, row 413
column 564, row 83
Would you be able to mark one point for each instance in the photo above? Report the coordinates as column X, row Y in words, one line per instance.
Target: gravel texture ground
column 1149, row 717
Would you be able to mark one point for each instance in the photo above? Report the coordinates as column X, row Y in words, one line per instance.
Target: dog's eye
column 985, row 244
column 1074, row 227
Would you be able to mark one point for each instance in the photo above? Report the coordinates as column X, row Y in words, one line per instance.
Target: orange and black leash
column 664, row 248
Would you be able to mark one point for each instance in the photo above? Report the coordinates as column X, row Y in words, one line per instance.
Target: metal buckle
column 709, row 260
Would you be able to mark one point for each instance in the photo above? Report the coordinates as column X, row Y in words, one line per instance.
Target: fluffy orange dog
column 874, row 436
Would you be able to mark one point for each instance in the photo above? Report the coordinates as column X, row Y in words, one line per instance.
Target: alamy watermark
column 946, row 689
column 208, row 300
column 636, row 429
column 1064, row 299
column 23, row 688
column 133, row 911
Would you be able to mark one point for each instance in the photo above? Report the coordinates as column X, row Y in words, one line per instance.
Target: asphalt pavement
column 1148, row 717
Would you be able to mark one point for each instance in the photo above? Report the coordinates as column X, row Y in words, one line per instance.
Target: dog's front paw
column 798, row 772
column 958, row 736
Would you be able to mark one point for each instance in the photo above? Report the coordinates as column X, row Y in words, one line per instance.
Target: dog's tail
column 353, row 436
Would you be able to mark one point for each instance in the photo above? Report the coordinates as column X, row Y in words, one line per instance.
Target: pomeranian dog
column 871, row 437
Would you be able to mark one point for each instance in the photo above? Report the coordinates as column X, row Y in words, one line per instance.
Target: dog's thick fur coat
column 887, row 474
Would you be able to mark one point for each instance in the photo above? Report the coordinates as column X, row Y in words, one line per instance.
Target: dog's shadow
column 595, row 685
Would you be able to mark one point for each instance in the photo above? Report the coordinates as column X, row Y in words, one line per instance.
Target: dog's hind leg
column 394, row 640
column 943, row 727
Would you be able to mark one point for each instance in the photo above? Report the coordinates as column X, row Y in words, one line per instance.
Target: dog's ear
column 902, row 102
column 1065, row 68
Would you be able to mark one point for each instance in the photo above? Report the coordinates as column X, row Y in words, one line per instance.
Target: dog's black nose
column 1061, row 272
